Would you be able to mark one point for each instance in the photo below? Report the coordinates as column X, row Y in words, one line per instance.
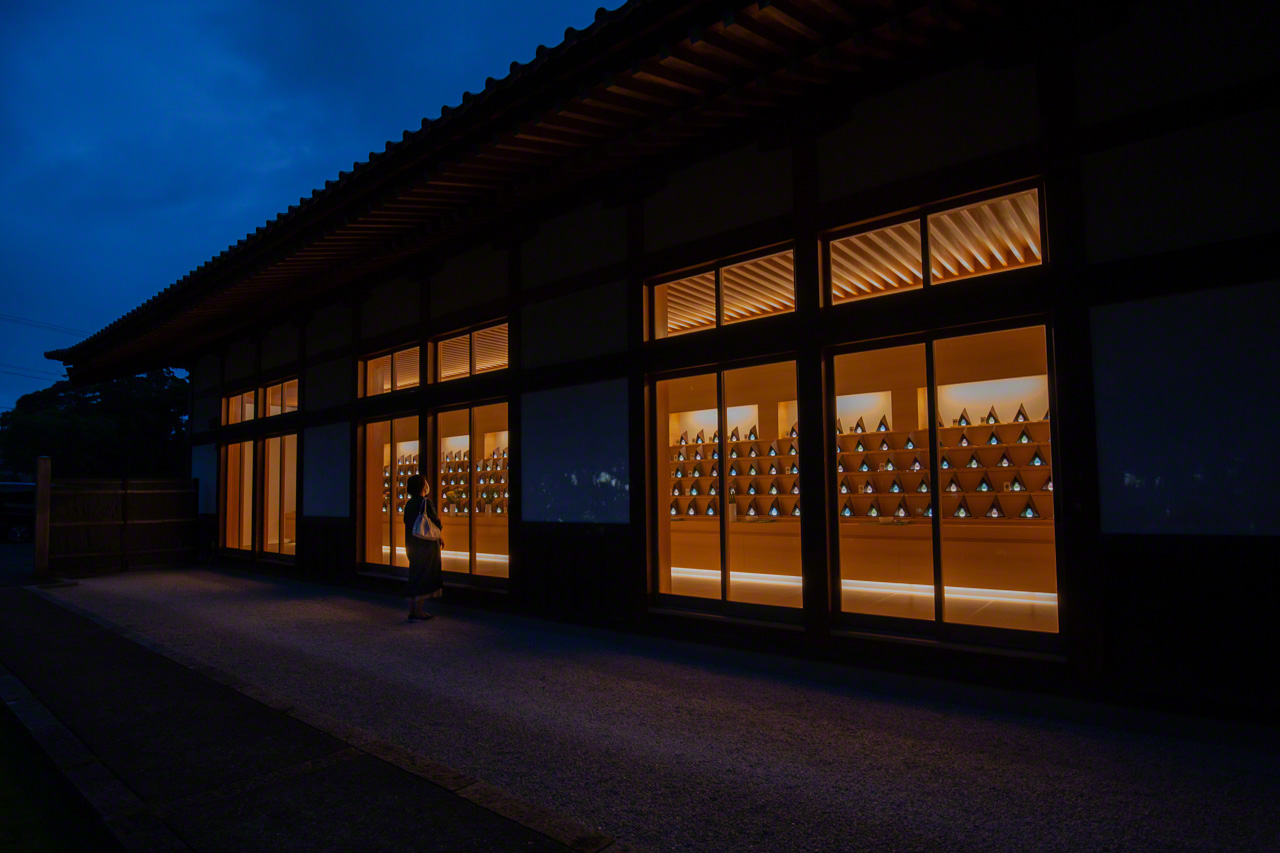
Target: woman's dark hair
column 415, row 484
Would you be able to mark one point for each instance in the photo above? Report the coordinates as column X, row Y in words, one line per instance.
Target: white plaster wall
column 326, row 471
column 472, row 278
column 1197, row 186
column 582, row 325
column 1167, row 50
column 392, row 305
column 581, row 240
column 953, row 117
column 204, row 467
column 724, row 192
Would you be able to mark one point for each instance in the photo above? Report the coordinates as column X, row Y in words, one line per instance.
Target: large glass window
column 475, row 486
column 996, row 480
column 391, row 372
column 280, row 494
column 237, row 495
column 883, row 484
column 390, row 456
column 729, row 494
column 746, row 290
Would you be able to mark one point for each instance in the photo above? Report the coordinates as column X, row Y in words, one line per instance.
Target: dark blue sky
column 137, row 140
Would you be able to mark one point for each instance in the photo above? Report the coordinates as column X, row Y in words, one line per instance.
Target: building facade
column 895, row 332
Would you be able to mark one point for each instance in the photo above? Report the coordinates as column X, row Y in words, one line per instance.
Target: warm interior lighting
column 454, row 357
column 687, row 305
column 759, row 288
column 491, row 348
column 990, row 236
column 875, row 263
column 1009, row 596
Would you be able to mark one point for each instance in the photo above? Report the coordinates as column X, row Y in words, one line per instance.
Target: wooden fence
column 96, row 527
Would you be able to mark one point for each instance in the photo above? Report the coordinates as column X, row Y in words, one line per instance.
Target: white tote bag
column 424, row 527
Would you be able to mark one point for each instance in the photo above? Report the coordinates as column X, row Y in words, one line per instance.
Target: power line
column 49, row 373
column 36, row 324
column 30, row 376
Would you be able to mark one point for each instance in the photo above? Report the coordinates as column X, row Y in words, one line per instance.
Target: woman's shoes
column 413, row 617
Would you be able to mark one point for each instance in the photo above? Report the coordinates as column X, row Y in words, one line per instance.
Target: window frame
column 262, row 396
column 469, row 332
column 362, row 371
column 920, row 215
column 651, row 284
column 226, row 407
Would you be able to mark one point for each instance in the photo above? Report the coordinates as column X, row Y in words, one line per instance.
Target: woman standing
column 425, row 579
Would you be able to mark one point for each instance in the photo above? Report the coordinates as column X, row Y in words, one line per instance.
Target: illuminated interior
column 758, row 288
column 480, row 351
column 998, row 541
column 883, row 483
column 391, row 456
column 886, row 260
column 237, row 508
column 280, row 398
column 730, row 493
column 391, row 372
column 280, row 494
column 474, row 489
column 990, row 236
column 238, row 408
column 749, row 290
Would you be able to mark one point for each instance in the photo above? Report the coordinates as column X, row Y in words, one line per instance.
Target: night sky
column 138, row 140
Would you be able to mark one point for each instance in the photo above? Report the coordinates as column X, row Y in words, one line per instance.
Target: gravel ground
column 677, row 746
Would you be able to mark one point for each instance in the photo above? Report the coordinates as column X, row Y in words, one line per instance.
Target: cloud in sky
column 139, row 139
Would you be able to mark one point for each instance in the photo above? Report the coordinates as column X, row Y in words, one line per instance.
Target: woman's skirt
column 425, row 577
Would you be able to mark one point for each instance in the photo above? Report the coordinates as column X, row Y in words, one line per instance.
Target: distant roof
column 649, row 78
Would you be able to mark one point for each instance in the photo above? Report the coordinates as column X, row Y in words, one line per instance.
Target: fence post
column 43, row 487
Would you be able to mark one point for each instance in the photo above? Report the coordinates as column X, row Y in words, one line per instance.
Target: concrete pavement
column 678, row 746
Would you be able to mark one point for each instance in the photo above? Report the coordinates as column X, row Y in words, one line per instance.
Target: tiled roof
column 642, row 80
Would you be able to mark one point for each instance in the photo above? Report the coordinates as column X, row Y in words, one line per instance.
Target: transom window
column 481, row 351
column 988, row 236
column 394, row 371
column 267, row 401
column 728, row 293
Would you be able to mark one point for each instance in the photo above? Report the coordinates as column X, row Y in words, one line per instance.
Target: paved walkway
column 678, row 746
column 175, row 760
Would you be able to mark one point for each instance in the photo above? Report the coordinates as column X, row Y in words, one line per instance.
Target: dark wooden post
column 43, row 487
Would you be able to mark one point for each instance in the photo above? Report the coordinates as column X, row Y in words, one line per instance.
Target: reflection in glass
column 688, row 543
column 886, row 569
column 998, row 547
column 763, row 534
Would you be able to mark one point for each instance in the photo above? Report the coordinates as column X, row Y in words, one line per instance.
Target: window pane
column 454, row 495
column 455, row 358
column 690, row 482
column 291, row 395
column 289, row 496
column 763, row 521
column 247, row 407
column 237, row 510
column 404, row 455
column 875, row 263
column 271, row 495
column 377, row 376
column 231, row 410
column 491, row 348
column 379, row 491
column 991, row 236
column 883, row 483
column 688, row 305
column 406, row 368
column 996, row 480
column 759, row 288
column 490, row 488
column 274, row 402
